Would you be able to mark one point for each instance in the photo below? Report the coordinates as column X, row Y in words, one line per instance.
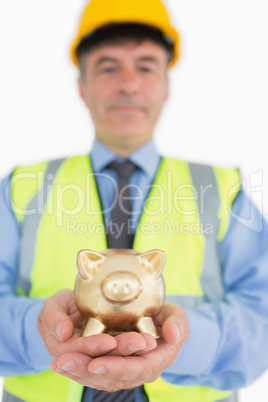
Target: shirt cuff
column 199, row 352
column 35, row 348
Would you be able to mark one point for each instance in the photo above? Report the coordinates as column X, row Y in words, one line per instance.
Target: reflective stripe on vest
column 7, row 397
column 204, row 178
column 30, row 227
column 174, row 219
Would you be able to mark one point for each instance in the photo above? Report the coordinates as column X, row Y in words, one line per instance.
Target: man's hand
column 120, row 370
column 60, row 325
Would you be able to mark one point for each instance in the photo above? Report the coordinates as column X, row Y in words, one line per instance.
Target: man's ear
column 166, row 96
column 81, row 89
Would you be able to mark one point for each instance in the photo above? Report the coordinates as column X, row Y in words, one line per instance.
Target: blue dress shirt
column 228, row 343
column 147, row 161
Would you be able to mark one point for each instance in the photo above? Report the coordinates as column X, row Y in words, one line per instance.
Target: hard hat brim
column 168, row 31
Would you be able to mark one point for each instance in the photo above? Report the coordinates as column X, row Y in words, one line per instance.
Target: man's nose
column 129, row 82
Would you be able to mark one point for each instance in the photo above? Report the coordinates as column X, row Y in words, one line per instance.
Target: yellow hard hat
column 99, row 13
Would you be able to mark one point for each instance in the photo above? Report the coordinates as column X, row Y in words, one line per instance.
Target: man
column 216, row 272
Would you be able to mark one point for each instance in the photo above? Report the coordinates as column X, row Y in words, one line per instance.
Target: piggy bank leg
column 146, row 324
column 94, row 327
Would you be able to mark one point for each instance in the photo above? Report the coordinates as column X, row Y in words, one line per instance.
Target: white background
column 217, row 111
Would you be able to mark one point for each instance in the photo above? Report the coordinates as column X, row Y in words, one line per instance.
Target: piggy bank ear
column 156, row 260
column 88, row 263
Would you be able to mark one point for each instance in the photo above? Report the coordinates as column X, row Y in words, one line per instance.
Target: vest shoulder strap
column 30, row 186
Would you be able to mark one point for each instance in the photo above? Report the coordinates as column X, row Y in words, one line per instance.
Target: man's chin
column 129, row 136
column 130, row 139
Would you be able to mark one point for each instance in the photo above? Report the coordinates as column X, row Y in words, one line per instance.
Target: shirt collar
column 101, row 156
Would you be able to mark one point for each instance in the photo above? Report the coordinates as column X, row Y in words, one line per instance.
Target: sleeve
column 22, row 350
column 228, row 343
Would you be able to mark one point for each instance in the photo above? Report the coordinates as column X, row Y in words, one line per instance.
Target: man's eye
column 108, row 70
column 145, row 69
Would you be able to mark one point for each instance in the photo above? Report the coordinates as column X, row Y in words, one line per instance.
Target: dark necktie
column 119, row 232
column 120, row 237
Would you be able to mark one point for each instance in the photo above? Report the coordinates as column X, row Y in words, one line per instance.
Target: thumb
column 174, row 322
column 54, row 318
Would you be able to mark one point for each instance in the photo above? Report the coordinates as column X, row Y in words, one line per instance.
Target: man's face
column 125, row 87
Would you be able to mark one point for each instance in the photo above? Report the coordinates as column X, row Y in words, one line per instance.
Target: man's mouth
column 127, row 109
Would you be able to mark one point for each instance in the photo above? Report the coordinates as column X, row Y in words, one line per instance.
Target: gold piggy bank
column 120, row 290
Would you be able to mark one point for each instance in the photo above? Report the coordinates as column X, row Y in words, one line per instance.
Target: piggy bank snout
column 121, row 287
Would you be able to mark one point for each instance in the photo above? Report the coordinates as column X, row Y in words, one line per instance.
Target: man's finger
column 133, row 343
column 167, row 311
column 74, row 363
column 75, row 367
column 93, row 346
column 59, row 323
column 146, row 367
column 174, row 323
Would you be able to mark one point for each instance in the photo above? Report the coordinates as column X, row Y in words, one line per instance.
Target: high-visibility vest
column 186, row 214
